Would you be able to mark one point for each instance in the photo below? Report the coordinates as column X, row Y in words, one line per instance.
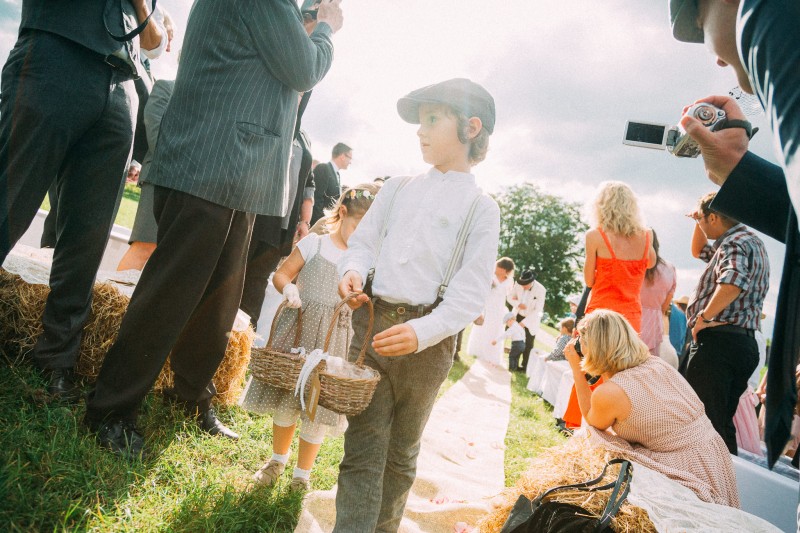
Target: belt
column 402, row 309
column 730, row 328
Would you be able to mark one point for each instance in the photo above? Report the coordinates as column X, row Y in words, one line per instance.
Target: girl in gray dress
column 313, row 264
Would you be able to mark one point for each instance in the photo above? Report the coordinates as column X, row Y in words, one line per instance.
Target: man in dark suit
column 67, row 112
column 221, row 157
column 759, row 40
column 328, row 182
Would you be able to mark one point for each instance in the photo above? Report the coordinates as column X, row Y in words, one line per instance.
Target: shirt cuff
column 308, row 193
column 428, row 331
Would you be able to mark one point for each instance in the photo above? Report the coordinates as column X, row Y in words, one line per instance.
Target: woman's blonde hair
column 609, row 343
column 356, row 199
column 616, row 209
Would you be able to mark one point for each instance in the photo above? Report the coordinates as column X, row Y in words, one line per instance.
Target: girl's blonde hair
column 356, row 199
column 609, row 343
column 616, row 209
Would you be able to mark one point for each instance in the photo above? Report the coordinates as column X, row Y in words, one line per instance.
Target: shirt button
column 443, row 222
column 403, row 260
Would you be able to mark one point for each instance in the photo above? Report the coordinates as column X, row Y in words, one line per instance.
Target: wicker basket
column 279, row 369
column 348, row 396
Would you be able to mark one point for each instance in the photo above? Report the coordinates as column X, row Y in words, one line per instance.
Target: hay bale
column 572, row 462
column 22, row 305
column 229, row 377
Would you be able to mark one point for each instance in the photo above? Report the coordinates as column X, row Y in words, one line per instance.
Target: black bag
column 539, row 516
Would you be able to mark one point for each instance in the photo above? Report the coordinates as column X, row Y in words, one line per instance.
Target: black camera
column 578, row 347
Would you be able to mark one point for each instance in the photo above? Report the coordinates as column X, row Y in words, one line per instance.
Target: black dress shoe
column 61, row 385
column 119, row 436
column 208, row 422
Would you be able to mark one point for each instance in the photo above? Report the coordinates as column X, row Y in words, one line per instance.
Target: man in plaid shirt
column 724, row 312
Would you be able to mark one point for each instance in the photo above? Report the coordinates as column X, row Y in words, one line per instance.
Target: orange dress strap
column 608, row 243
column 646, row 244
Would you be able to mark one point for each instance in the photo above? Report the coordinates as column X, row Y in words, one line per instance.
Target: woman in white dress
column 480, row 340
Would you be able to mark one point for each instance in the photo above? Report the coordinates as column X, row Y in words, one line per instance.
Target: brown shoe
column 299, row 484
column 269, row 473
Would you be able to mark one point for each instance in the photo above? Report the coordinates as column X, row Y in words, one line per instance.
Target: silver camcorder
column 672, row 138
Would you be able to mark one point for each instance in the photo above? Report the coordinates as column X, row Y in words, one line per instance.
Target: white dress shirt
column 514, row 332
column 533, row 299
column 424, row 222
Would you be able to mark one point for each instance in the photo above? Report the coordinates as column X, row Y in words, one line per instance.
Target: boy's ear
column 474, row 127
column 342, row 211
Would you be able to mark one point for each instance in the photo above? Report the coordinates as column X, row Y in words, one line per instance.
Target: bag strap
column 458, row 251
column 128, row 36
column 616, row 499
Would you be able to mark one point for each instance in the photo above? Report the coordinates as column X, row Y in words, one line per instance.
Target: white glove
column 292, row 296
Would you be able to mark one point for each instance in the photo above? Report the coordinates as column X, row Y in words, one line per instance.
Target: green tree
column 544, row 233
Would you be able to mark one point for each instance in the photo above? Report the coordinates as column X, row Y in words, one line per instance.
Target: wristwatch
column 704, row 319
column 308, row 225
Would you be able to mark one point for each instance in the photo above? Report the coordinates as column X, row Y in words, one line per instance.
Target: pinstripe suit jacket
column 226, row 135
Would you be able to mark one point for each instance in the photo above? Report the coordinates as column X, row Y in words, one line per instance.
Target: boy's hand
column 351, row 282
column 400, row 339
column 522, row 307
column 494, row 342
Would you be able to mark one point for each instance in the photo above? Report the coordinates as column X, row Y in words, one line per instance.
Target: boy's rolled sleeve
column 707, row 253
column 467, row 292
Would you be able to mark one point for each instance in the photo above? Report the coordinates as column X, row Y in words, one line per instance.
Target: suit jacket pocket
column 254, row 129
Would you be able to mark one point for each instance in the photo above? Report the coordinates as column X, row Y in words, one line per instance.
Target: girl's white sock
column 302, row 474
column 282, row 459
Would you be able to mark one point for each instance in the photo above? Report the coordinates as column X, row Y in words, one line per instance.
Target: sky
column 565, row 76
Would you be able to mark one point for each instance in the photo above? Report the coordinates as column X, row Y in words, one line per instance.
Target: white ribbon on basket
column 312, row 360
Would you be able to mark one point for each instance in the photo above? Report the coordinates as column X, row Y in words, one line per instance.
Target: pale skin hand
column 721, row 150
column 330, row 13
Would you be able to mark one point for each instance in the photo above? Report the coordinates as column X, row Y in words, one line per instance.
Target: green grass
column 127, row 208
column 53, row 477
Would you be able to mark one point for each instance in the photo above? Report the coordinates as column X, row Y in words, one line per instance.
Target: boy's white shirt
column 427, row 215
column 534, row 302
column 514, row 332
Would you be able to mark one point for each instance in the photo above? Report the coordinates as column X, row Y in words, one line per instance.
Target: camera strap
column 736, row 123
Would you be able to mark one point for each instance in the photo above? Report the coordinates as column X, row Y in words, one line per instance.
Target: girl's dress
column 617, row 286
column 652, row 297
column 668, row 431
column 481, row 337
column 317, row 283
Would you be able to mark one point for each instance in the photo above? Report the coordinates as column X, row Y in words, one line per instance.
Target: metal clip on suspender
column 458, row 251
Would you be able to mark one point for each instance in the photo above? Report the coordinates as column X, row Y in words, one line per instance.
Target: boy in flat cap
column 426, row 251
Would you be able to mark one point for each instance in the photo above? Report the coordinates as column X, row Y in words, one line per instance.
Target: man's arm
column 151, row 36
column 298, row 60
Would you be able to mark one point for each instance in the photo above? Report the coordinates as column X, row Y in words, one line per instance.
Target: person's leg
column 201, row 345
column 712, row 377
column 742, row 359
column 91, row 179
column 262, row 260
column 191, row 237
column 366, row 442
column 517, row 347
column 527, row 352
column 417, row 379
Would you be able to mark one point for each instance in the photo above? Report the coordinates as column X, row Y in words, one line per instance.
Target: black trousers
column 262, row 260
column 185, row 302
column 529, row 338
column 66, row 116
column 718, row 373
column 517, row 348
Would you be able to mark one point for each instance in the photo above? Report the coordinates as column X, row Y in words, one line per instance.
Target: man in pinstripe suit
column 221, row 158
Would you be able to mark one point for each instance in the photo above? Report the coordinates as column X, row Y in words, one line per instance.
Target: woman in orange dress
column 619, row 251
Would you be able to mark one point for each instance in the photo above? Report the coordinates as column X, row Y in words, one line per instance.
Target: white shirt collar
column 451, row 175
column 335, row 168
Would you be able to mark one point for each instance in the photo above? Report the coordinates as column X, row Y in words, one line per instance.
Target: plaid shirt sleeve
column 706, row 253
column 733, row 266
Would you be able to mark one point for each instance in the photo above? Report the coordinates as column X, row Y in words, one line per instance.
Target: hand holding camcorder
column 674, row 139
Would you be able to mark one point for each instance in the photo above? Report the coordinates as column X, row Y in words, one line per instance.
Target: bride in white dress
column 481, row 337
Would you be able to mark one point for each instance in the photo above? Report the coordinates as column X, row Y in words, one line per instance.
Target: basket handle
column 335, row 317
column 298, row 325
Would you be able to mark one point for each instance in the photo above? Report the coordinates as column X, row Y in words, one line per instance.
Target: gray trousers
column 382, row 443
